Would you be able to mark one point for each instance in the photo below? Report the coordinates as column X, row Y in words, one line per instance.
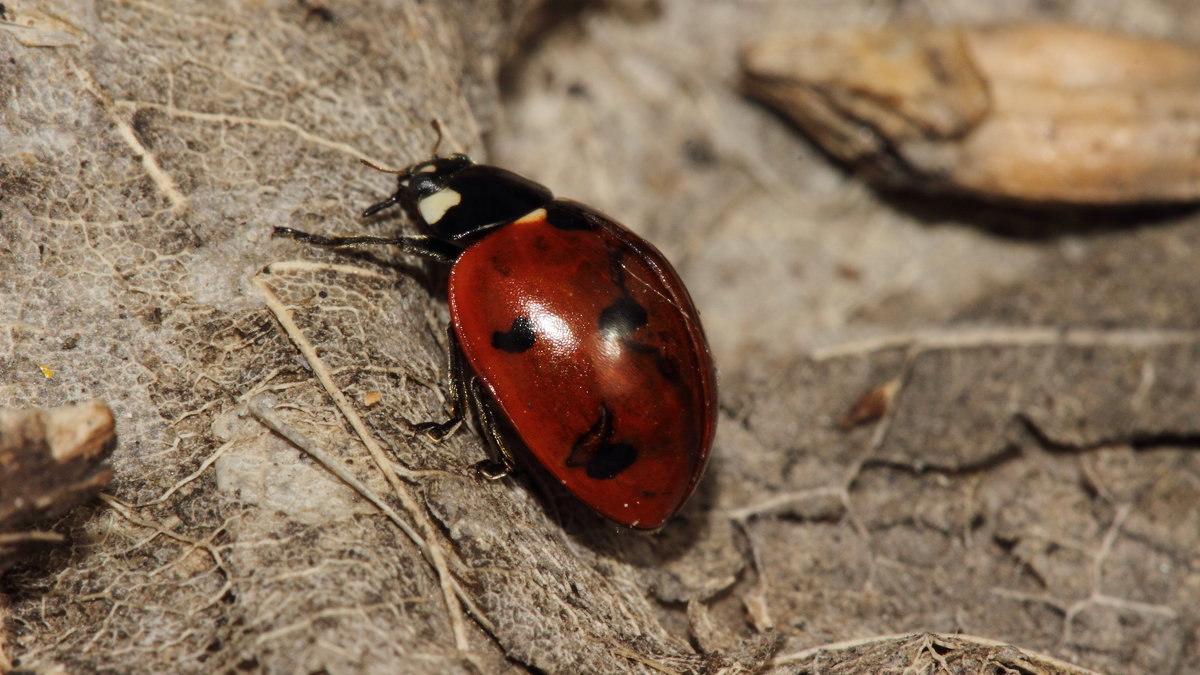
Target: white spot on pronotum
column 428, row 168
column 436, row 205
column 534, row 215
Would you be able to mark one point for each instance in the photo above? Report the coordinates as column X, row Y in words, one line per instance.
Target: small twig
column 1005, row 336
column 261, row 407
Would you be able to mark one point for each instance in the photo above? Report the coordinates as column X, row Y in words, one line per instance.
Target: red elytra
column 614, row 395
column 575, row 330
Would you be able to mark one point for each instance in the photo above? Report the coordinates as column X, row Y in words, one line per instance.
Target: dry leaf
column 1035, row 113
column 50, row 460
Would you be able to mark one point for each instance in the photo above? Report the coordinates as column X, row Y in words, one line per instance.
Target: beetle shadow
column 1028, row 221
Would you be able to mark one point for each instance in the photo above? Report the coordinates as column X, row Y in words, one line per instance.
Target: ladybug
column 567, row 331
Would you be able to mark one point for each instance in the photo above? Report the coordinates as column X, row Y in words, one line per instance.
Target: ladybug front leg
column 413, row 244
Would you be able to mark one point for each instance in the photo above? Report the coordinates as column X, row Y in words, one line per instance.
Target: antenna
column 437, row 126
column 375, row 166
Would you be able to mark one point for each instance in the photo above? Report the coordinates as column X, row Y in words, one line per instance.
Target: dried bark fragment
column 1032, row 113
column 50, row 460
column 869, row 407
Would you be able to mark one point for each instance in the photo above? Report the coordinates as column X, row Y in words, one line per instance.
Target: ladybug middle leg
column 468, row 397
column 456, row 375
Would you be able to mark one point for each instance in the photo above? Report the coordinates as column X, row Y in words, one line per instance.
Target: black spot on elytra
column 519, row 337
column 620, row 319
column 668, row 369
column 624, row 316
column 567, row 219
column 587, row 443
column 610, row 460
column 600, row 459
column 501, row 266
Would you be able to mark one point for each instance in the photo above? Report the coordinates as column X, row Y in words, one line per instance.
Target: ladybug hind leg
column 501, row 463
column 456, row 375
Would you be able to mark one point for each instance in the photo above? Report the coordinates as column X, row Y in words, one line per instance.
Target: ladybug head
column 456, row 200
column 421, row 184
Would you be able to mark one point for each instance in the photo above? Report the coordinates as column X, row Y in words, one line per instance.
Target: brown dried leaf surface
column 1033, row 478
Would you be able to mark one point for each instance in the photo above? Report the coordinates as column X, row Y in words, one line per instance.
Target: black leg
column 501, row 464
column 414, row 244
column 456, row 371
column 467, row 397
